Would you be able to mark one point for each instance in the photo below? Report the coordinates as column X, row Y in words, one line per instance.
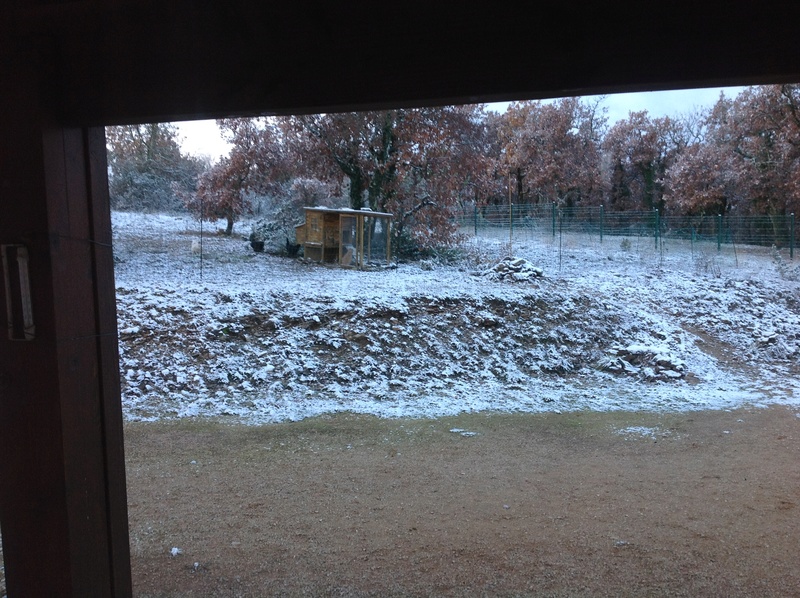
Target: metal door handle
column 18, row 293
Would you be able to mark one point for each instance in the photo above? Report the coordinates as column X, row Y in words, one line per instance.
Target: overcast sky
column 203, row 138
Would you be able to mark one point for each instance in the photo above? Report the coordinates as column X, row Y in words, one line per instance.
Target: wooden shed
column 351, row 238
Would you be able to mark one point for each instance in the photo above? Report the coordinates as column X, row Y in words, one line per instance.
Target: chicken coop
column 350, row 238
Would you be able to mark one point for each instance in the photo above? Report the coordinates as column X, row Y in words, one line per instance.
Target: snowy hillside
column 265, row 338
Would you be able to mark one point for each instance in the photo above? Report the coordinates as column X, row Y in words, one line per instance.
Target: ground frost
column 262, row 338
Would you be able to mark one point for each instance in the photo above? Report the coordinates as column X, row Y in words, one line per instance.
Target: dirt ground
column 574, row 504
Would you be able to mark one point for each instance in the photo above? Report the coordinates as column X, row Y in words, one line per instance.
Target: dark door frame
column 68, row 68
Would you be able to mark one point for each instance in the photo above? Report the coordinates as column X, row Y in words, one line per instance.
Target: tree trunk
column 356, row 194
column 519, row 179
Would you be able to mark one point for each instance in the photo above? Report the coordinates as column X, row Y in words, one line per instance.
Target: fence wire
column 705, row 243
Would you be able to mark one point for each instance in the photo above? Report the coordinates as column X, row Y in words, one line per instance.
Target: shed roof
column 361, row 212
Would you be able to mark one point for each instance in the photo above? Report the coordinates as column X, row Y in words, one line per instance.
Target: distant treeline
column 741, row 157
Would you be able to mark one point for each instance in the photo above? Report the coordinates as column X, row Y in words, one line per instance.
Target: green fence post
column 510, row 223
column 560, row 235
column 657, row 226
column 553, row 212
column 475, row 219
column 602, row 221
column 719, row 233
column 791, row 236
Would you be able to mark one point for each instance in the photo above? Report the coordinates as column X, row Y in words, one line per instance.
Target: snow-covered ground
column 264, row 338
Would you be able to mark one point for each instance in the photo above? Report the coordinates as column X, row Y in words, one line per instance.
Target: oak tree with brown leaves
column 414, row 163
column 748, row 161
column 638, row 152
column 551, row 151
column 258, row 162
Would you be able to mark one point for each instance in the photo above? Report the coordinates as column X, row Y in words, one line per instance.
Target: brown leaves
column 749, row 160
column 553, row 150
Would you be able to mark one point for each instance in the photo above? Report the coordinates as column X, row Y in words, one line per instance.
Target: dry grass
column 694, row 504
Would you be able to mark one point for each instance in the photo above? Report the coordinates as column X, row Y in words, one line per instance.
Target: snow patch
column 259, row 338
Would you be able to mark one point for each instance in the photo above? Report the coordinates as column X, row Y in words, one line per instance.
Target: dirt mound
column 413, row 347
column 233, row 332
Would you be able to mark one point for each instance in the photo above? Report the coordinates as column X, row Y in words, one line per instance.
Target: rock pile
column 650, row 363
column 514, row 269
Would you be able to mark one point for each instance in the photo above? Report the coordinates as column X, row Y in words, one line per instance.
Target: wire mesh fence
column 557, row 235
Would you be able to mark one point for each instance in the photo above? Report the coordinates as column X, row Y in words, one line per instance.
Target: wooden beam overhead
column 110, row 62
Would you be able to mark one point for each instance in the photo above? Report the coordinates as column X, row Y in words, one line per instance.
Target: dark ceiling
column 125, row 61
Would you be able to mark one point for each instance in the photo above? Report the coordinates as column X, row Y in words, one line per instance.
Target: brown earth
column 702, row 504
